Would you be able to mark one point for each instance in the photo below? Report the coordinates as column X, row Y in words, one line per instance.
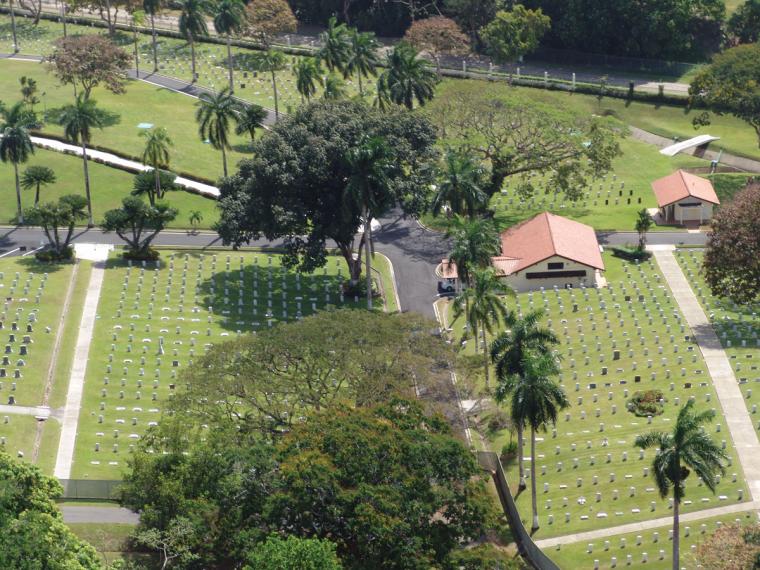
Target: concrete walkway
column 78, row 368
column 36, row 411
column 731, row 400
column 100, row 515
column 593, row 535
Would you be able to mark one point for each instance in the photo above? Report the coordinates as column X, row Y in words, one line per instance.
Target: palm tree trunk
column 229, row 62
column 192, row 55
column 20, row 214
column 155, row 48
column 361, row 87
column 224, row 162
column 13, row 27
column 91, row 221
column 37, row 195
column 274, row 89
column 157, row 180
column 533, row 498
column 520, row 463
column 485, row 356
column 63, row 18
column 676, row 537
column 137, row 55
column 368, row 252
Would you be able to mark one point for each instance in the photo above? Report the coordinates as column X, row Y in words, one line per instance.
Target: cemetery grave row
column 629, row 337
column 737, row 327
column 153, row 321
column 174, row 59
column 650, row 549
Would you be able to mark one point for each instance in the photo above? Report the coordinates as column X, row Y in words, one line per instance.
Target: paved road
column 100, row 515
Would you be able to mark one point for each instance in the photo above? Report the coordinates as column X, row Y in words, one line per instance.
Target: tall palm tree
column 272, row 61
column 192, row 23
column 475, row 242
column 16, row 144
column 78, row 121
column 137, row 17
column 308, row 77
column 335, row 88
column 369, row 188
column 16, row 47
column 152, row 8
column 35, row 177
column 249, row 118
column 156, row 154
column 508, row 353
column 214, row 114
column 335, row 48
column 407, row 78
column 687, row 448
column 362, row 56
column 460, row 185
column 228, row 20
column 483, row 308
column 536, row 401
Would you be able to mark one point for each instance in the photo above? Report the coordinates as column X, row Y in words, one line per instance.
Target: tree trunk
column 20, row 214
column 157, row 181
column 229, row 62
column 224, row 161
column 37, row 195
column 155, row 48
column 533, row 498
column 13, row 27
column 520, row 464
column 361, row 87
column 274, row 89
column 137, row 55
column 91, row 221
column 499, row 171
column 368, row 252
column 676, row 536
column 111, row 29
column 63, row 18
column 192, row 55
column 485, row 356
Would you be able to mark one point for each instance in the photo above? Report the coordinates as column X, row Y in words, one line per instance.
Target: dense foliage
column 295, row 187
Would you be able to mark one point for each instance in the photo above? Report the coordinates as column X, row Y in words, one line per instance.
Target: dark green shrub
column 53, row 256
column 149, row 254
column 631, row 253
column 648, row 403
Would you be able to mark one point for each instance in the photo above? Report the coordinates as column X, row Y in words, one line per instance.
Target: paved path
column 37, row 411
column 101, row 515
column 731, row 400
column 593, row 535
column 78, row 368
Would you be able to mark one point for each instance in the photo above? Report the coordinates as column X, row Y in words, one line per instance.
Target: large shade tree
column 744, row 24
column 509, row 352
column 53, row 217
column 688, row 447
column 265, row 19
column 16, row 143
column 438, row 36
column 138, row 223
column 294, row 188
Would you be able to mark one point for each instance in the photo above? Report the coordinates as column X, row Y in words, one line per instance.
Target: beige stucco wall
column 702, row 213
column 519, row 282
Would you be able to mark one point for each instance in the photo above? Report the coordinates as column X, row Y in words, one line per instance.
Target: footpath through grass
column 154, row 321
column 629, row 337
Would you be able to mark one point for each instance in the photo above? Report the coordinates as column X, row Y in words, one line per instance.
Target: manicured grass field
column 108, row 187
column 142, row 103
column 737, row 326
column 657, row 547
column 112, row 542
column 595, row 476
column 191, row 301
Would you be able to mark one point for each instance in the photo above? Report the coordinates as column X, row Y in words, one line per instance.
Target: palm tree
column 229, row 20
column 249, row 118
column 192, row 23
column 36, row 176
column 508, row 353
column 78, row 121
column 13, row 27
column 153, row 7
column 369, row 188
column 335, row 88
column 137, row 17
column 156, row 154
column 335, row 48
column 16, row 144
column 475, row 243
column 272, row 61
column 308, row 77
column 536, row 402
column 214, row 113
column 407, row 78
column 687, row 448
column 482, row 306
column 459, row 185
column 362, row 57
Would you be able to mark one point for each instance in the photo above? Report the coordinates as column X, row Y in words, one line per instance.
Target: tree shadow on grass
column 30, row 264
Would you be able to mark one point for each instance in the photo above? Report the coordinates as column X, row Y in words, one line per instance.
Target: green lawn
column 658, row 547
column 112, row 542
column 142, row 103
column 128, row 381
column 592, row 474
column 108, row 187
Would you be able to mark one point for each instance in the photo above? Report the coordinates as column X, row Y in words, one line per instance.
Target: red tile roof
column 682, row 184
column 545, row 236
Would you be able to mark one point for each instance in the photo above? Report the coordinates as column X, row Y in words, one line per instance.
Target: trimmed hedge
column 631, row 253
column 649, row 403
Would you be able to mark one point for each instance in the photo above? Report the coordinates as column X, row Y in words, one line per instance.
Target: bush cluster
column 648, row 403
